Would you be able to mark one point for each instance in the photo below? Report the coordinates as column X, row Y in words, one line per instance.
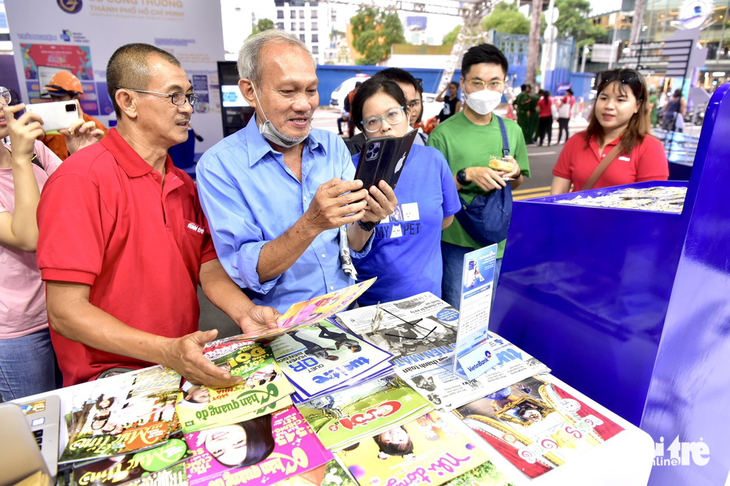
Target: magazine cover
column 146, row 467
column 485, row 475
column 320, row 358
column 122, row 414
column 422, row 327
column 274, row 447
column 435, row 379
column 429, row 450
column 306, row 313
column 536, row 425
column 346, row 417
column 330, row 474
column 260, row 393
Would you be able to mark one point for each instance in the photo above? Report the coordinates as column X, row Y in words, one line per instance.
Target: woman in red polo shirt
column 620, row 116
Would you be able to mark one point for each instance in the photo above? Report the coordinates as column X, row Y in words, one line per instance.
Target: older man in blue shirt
column 279, row 195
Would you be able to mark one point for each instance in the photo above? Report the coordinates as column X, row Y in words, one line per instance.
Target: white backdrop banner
column 81, row 35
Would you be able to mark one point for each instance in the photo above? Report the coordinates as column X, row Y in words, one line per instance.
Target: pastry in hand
column 501, row 165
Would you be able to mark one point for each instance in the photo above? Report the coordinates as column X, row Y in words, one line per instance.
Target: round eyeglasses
column 177, row 98
column 5, row 95
column 374, row 123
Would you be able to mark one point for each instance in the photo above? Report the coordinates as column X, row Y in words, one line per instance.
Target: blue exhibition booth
column 632, row 307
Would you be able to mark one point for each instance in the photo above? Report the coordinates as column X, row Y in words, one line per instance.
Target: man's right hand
column 185, row 355
column 336, row 203
column 485, row 178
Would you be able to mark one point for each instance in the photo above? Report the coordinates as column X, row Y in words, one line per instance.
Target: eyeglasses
column 178, row 98
column 493, row 85
column 374, row 123
column 623, row 75
column 5, row 95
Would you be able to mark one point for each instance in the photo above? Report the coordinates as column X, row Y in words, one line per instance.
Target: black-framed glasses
column 626, row 76
column 178, row 98
column 374, row 123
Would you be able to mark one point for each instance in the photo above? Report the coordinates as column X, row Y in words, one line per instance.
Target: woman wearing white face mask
column 468, row 140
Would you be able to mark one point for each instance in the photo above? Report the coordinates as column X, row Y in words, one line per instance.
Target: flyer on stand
column 268, row 449
column 536, row 425
column 121, row 414
column 422, row 327
column 429, row 450
column 320, row 358
column 473, row 353
column 344, row 418
column 448, row 390
column 262, row 391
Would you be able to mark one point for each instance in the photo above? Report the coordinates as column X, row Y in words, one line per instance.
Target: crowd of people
column 112, row 252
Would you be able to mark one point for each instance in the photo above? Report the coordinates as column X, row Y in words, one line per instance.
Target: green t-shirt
column 465, row 144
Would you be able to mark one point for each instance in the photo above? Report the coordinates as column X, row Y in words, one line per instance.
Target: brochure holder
column 473, row 355
column 631, row 307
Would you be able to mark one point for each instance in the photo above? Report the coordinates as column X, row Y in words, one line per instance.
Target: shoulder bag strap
column 598, row 172
column 505, row 140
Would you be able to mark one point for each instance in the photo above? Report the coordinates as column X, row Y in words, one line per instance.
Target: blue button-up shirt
column 251, row 197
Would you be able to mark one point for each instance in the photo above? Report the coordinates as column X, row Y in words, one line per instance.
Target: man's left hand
column 81, row 134
column 258, row 318
column 516, row 171
column 381, row 203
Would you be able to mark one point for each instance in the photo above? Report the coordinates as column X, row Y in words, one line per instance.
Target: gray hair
column 248, row 56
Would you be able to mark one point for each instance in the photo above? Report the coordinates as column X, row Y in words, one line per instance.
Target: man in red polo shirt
column 124, row 243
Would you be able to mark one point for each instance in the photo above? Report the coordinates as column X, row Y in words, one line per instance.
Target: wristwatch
column 368, row 226
column 461, row 178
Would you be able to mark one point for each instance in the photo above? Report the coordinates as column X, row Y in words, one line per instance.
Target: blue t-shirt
column 406, row 251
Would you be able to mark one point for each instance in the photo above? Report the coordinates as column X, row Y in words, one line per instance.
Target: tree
column 506, row 19
column 534, row 42
column 262, row 25
column 374, row 31
column 450, row 38
column 573, row 22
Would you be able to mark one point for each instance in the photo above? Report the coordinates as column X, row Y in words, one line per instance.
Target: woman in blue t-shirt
column 406, row 251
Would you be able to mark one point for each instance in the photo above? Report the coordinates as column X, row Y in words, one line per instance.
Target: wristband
column 368, row 226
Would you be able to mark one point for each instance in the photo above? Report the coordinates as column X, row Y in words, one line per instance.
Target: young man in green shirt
column 469, row 140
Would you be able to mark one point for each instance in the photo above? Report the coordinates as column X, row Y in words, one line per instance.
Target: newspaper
column 417, row 328
column 434, row 379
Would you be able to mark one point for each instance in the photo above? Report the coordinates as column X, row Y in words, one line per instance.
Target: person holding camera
column 25, row 165
column 64, row 86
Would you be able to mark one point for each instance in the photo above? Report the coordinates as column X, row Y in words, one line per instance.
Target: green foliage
column 450, row 38
column 484, row 475
column 506, row 19
column 262, row 25
column 573, row 22
column 373, row 32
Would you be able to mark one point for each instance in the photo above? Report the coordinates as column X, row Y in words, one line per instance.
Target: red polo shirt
column 106, row 221
column 646, row 162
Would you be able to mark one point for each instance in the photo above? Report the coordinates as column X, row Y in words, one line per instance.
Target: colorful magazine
column 429, row 450
column 346, row 417
column 306, row 313
column 269, row 448
column 330, row 474
column 263, row 391
column 485, row 475
column 321, row 358
column 147, row 467
column 536, row 425
column 122, row 414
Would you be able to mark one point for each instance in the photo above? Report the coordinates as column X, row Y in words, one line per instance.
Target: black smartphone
column 383, row 158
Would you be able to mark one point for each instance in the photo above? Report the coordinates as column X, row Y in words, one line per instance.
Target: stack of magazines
column 324, row 358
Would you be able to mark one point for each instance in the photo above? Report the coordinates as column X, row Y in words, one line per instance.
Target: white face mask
column 483, row 102
column 273, row 135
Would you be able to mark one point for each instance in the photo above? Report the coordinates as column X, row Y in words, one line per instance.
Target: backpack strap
column 505, row 140
column 34, row 160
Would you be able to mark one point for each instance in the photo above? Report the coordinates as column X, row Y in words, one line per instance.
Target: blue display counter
column 633, row 307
